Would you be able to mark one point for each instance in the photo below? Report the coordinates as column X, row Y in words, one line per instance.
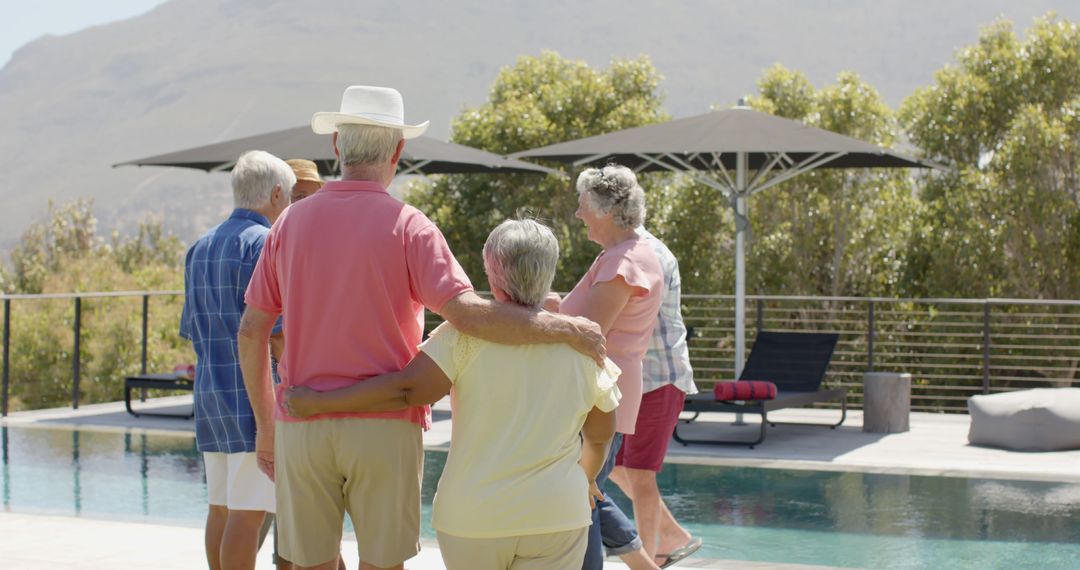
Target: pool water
column 857, row 520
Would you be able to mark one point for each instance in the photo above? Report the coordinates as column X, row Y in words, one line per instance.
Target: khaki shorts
column 554, row 551
column 370, row 468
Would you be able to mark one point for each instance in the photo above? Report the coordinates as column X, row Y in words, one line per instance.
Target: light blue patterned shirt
column 217, row 270
column 668, row 358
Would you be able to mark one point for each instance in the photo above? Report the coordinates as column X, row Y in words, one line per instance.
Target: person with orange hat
column 308, row 181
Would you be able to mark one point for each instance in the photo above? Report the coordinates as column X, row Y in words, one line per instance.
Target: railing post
column 145, row 328
column 7, row 357
column 986, row 348
column 870, row 326
column 75, row 355
column 760, row 310
column 145, row 323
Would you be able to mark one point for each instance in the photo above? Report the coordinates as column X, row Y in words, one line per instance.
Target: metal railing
column 76, row 335
column 953, row 348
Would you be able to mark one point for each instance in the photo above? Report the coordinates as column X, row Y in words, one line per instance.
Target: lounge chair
column 796, row 363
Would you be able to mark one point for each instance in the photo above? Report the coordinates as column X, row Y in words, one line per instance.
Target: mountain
column 191, row 72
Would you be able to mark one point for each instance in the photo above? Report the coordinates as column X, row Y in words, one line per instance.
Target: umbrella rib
column 763, row 171
column 703, row 179
column 685, row 165
column 805, row 166
column 655, row 161
column 723, row 169
column 414, row 168
column 589, row 159
column 725, row 190
column 696, row 157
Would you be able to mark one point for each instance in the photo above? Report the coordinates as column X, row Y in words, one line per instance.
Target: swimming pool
column 810, row 517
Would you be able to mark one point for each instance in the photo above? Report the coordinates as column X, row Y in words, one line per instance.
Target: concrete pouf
column 1042, row 419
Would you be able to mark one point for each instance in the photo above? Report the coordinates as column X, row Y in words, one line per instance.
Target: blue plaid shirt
column 668, row 359
column 217, row 270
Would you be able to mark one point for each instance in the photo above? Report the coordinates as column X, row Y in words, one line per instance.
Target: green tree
column 46, row 247
column 1004, row 220
column 538, row 101
column 64, row 254
column 835, row 232
column 823, row 233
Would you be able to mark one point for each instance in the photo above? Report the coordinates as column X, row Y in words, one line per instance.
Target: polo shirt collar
column 245, row 214
column 353, row 186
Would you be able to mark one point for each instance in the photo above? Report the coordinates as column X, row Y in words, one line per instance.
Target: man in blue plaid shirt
column 667, row 378
column 217, row 270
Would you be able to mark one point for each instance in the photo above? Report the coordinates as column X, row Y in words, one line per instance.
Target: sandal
column 680, row 554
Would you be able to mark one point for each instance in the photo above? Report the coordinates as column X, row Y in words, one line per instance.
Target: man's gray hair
column 366, row 144
column 614, row 190
column 254, row 177
column 520, row 258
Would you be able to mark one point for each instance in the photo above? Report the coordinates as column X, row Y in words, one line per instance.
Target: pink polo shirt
column 351, row 269
column 628, row 339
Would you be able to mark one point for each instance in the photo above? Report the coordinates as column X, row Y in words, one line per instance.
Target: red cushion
column 744, row 390
column 184, row 371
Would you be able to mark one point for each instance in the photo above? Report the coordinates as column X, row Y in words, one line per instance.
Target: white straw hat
column 366, row 105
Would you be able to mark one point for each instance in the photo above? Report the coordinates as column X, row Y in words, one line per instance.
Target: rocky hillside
column 196, row 71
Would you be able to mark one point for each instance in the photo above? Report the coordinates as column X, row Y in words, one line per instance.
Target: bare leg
column 672, row 534
column 215, row 528
column 660, row 532
column 646, row 497
column 618, row 475
column 642, row 558
column 240, row 541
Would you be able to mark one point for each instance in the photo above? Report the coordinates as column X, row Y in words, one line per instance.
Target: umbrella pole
column 739, row 202
column 741, row 223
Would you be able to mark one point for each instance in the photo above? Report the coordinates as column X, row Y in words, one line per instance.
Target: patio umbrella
column 772, row 149
column 422, row 155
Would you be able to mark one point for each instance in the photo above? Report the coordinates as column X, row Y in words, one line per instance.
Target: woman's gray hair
column 520, row 258
column 254, row 177
column 366, row 144
column 614, row 190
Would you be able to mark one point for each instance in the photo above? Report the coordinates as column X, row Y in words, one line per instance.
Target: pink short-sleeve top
column 350, row 269
column 628, row 339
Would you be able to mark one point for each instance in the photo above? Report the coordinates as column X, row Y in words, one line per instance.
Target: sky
column 27, row 20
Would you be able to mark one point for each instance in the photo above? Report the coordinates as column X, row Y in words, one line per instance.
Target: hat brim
column 327, row 123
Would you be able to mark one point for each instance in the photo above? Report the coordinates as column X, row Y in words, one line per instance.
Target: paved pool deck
column 935, row 445
column 39, row 542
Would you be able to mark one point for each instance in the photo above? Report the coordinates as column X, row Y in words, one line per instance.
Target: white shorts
column 233, row 480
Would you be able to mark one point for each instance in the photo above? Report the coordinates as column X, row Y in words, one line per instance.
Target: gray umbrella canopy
column 721, row 149
column 421, row 155
column 706, row 142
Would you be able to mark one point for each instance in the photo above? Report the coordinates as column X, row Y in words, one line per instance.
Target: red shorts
column 656, row 420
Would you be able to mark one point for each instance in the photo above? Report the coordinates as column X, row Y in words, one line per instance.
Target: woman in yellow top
column 519, row 481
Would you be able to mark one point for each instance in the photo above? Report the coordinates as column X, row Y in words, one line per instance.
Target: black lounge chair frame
column 796, row 362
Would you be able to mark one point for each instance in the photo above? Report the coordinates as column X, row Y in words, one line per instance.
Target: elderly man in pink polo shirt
column 351, row 270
